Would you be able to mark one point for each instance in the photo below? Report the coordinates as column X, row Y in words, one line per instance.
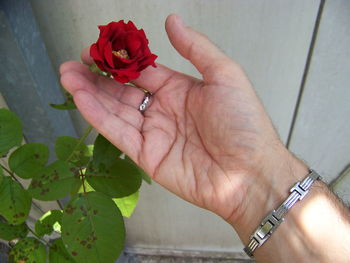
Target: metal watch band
column 275, row 218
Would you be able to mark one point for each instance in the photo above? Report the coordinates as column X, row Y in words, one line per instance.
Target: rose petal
column 108, row 54
column 116, row 36
column 104, row 31
column 94, row 53
column 133, row 43
column 121, row 79
column 117, row 31
column 101, row 43
column 130, row 26
column 118, row 43
column 125, row 74
column 143, row 35
column 148, row 61
column 101, row 65
column 122, row 62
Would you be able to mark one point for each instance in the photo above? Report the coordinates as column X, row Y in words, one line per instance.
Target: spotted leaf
column 54, row 181
column 105, row 153
column 9, row 232
column 49, row 222
column 10, row 131
column 28, row 250
column 93, row 228
column 67, row 105
column 15, row 202
column 143, row 174
column 29, row 159
column 70, row 148
column 119, row 180
column 58, row 253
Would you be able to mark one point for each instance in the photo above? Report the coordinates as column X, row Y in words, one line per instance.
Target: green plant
column 102, row 184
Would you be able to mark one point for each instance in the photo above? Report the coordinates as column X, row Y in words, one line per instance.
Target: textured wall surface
column 27, row 79
column 322, row 132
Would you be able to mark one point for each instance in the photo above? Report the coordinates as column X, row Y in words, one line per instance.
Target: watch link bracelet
column 275, row 218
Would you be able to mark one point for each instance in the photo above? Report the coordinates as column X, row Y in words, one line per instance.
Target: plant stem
column 81, row 140
column 83, row 180
column 43, row 240
column 10, row 173
column 38, row 237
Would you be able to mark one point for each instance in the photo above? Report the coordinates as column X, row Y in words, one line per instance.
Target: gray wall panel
column 322, row 131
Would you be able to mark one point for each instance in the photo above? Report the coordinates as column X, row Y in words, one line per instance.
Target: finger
column 85, row 56
column 75, row 82
column 196, row 47
column 116, row 130
column 151, row 78
column 76, row 66
column 107, row 84
column 126, row 94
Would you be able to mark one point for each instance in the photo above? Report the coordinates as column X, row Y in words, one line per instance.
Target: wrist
column 308, row 233
column 267, row 190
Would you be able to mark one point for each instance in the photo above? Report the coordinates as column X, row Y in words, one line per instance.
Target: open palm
column 200, row 139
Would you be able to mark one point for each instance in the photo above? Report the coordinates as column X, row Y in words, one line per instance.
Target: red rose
column 122, row 50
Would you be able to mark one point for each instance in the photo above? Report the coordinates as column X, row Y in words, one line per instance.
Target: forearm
column 316, row 229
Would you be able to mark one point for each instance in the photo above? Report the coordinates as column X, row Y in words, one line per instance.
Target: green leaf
column 58, row 253
column 15, row 201
column 88, row 188
column 104, row 152
column 67, row 105
column 49, row 222
column 54, row 181
column 143, row 174
column 76, row 188
column 121, row 179
column 28, row 250
column 94, row 68
column 127, row 204
column 71, row 148
column 90, row 150
column 29, row 159
column 146, row 177
column 10, row 131
column 9, row 232
column 93, row 228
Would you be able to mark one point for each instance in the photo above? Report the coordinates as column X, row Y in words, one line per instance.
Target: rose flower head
column 122, row 50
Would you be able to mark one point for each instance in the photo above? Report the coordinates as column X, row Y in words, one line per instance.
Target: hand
column 208, row 141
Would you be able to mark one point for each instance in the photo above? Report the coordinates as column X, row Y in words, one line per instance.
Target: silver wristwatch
column 275, row 218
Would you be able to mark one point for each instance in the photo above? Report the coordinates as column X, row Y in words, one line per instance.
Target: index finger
column 151, row 78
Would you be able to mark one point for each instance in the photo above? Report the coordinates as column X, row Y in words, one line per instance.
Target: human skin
column 210, row 142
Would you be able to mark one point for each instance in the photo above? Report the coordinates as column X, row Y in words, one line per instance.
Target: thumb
column 209, row 60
